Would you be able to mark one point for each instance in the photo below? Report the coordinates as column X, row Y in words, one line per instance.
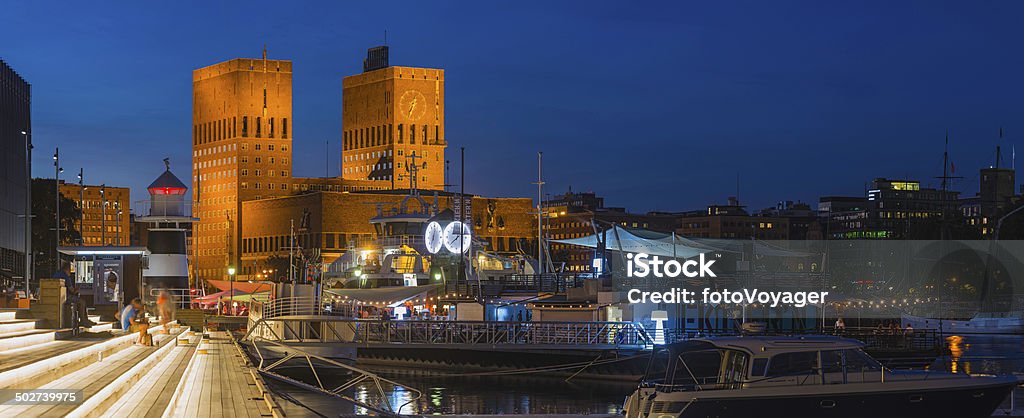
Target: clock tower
column 393, row 125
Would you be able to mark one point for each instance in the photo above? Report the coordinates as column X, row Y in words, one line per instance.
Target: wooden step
column 58, row 365
column 158, row 386
column 101, row 327
column 101, row 383
column 26, row 338
column 15, row 325
column 149, row 364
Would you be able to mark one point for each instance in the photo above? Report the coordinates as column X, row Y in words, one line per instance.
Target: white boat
column 982, row 323
column 817, row 376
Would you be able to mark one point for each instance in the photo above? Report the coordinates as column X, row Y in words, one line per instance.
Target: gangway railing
column 382, row 405
column 182, row 298
column 570, row 335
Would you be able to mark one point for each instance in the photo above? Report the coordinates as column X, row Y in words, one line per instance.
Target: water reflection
column 466, row 395
column 983, row 354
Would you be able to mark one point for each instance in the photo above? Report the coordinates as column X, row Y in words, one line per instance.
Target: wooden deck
column 24, row 356
column 219, row 384
column 150, row 396
column 90, row 379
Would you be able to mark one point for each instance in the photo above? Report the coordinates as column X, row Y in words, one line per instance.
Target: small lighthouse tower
column 168, row 221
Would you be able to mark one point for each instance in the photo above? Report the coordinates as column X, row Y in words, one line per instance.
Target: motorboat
column 982, row 323
column 809, row 376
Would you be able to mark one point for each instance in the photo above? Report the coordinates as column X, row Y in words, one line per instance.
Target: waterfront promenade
column 101, row 374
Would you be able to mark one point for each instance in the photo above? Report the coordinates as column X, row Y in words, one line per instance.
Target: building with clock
column 242, row 133
column 393, row 119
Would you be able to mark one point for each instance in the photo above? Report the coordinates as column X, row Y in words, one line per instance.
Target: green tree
column 44, row 235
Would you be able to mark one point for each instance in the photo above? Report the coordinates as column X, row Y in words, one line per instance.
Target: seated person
column 129, row 313
column 74, row 299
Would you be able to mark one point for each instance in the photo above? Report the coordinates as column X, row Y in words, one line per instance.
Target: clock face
column 433, row 237
column 457, row 237
column 412, row 105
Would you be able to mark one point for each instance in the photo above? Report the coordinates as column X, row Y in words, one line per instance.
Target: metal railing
column 181, row 298
column 326, row 329
column 161, row 209
column 292, row 305
column 381, row 404
column 534, row 283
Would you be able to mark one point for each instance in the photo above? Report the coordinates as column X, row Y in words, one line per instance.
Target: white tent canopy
column 669, row 245
column 620, row 239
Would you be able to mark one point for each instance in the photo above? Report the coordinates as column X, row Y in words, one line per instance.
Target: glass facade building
column 15, row 118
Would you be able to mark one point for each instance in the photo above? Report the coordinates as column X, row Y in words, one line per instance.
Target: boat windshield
column 705, row 369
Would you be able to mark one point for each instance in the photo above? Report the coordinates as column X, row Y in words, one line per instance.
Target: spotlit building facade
column 393, row 117
column 106, row 210
column 15, row 118
column 393, row 120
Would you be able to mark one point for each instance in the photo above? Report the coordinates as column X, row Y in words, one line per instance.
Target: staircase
column 100, row 369
column 184, row 373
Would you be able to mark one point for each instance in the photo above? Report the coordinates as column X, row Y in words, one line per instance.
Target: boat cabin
column 739, row 362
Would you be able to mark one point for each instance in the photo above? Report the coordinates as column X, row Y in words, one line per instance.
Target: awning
column 243, row 286
column 621, row 239
column 388, row 295
column 102, row 250
column 213, row 297
column 668, row 245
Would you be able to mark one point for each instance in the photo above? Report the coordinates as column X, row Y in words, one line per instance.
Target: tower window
column 259, row 124
column 245, row 126
column 284, row 128
column 270, row 129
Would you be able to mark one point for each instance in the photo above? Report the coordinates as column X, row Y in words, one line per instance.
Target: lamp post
column 103, row 214
column 28, row 210
column 118, row 227
column 81, row 206
column 999, row 224
column 56, row 226
column 231, row 295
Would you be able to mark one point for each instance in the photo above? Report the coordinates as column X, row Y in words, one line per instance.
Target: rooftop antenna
column 167, row 163
column 385, row 37
column 737, row 187
column 412, row 168
column 999, row 153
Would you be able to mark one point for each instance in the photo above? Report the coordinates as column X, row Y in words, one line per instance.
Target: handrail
column 328, row 329
column 181, row 297
column 359, row 375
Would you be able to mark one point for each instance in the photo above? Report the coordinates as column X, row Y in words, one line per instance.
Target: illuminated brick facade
column 241, row 150
column 99, row 202
column 339, row 221
column 388, row 115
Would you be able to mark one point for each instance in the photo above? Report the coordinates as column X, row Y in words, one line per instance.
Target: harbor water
column 515, row 395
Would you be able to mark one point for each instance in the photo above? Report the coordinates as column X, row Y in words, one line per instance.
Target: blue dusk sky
column 656, row 106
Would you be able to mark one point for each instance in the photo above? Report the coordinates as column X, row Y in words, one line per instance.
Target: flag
column 952, row 167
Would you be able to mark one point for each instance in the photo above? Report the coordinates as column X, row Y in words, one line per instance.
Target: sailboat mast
column 540, row 214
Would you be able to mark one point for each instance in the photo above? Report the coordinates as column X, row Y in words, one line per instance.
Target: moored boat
column 982, row 323
column 817, row 376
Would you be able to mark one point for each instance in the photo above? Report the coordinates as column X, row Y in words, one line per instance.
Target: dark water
column 983, row 354
column 973, row 354
column 465, row 395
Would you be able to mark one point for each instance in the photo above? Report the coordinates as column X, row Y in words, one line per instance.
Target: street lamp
column 81, row 206
column 56, row 183
column 28, row 210
column 103, row 214
column 231, row 278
